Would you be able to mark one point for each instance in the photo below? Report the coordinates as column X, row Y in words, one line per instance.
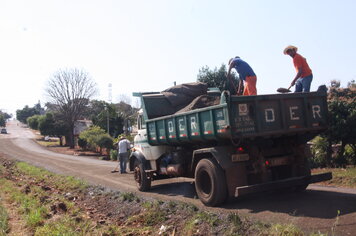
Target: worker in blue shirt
column 246, row 74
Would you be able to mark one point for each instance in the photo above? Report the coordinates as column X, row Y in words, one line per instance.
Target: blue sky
column 147, row 45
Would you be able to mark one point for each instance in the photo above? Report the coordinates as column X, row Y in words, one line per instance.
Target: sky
column 142, row 45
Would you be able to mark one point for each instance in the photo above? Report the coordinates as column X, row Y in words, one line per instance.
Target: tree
column 27, row 112
column 120, row 115
column 70, row 90
column 2, row 120
column 33, row 121
column 100, row 112
column 342, row 120
column 105, row 141
column 46, row 125
column 217, row 78
column 5, row 115
column 127, row 115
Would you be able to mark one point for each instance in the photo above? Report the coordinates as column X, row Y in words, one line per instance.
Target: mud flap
column 290, row 182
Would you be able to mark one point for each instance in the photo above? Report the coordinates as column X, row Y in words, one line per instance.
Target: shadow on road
column 183, row 189
column 311, row 203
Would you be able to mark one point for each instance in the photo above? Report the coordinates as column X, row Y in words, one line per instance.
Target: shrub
column 319, row 149
column 91, row 136
column 105, row 141
column 82, row 143
column 33, row 121
column 113, row 154
column 350, row 155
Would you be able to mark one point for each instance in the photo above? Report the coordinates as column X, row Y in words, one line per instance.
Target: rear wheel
column 304, row 168
column 143, row 182
column 210, row 183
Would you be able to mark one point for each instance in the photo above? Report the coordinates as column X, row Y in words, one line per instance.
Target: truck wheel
column 142, row 181
column 210, row 183
column 304, row 170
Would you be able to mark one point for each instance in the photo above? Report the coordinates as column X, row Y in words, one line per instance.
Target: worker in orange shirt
column 304, row 76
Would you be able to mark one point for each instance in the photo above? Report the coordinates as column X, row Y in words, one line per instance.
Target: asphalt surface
column 315, row 210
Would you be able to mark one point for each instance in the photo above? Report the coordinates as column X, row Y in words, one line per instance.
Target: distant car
column 3, row 131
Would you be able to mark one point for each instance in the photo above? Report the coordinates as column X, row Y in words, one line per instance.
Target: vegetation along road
column 319, row 208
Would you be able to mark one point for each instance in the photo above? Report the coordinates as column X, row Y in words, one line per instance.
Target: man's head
column 233, row 59
column 290, row 50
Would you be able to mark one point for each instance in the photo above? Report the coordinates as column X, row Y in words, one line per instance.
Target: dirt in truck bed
column 200, row 102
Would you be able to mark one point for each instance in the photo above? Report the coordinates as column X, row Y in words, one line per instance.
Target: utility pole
column 107, row 108
column 107, row 119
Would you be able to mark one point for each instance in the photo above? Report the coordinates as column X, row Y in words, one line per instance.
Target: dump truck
column 239, row 145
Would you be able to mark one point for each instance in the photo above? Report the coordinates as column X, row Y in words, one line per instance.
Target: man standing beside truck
column 123, row 148
column 246, row 74
column 304, row 76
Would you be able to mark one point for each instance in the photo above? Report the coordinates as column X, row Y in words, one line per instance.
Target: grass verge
column 341, row 177
column 51, row 204
column 4, row 225
column 53, row 143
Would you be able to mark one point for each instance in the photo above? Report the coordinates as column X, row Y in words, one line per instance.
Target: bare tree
column 125, row 98
column 70, row 91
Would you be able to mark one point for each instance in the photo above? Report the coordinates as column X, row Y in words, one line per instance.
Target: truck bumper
column 285, row 183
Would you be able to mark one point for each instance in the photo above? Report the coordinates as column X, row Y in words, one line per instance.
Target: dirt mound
column 200, row 102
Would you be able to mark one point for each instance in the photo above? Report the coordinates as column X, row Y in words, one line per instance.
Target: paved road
column 314, row 210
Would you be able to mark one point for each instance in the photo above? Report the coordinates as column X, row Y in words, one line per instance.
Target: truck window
column 140, row 122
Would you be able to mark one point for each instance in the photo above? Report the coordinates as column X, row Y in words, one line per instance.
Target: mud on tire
column 210, row 183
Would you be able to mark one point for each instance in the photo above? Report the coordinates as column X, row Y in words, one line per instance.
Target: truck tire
column 210, row 183
column 304, row 170
column 143, row 182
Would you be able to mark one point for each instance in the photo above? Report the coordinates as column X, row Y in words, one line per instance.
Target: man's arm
column 229, row 70
column 297, row 76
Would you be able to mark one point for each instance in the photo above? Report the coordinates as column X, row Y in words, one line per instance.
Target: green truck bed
column 238, row 117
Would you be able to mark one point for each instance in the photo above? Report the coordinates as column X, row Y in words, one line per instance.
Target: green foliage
column 66, row 183
column 113, row 154
column 26, row 112
column 46, row 125
column 342, row 177
column 82, row 143
column 319, row 149
column 105, row 141
column 342, row 123
column 101, row 112
column 4, row 221
column 67, row 225
column 350, row 155
column 2, row 120
column 91, row 135
column 285, row 230
column 128, row 196
column 33, row 121
column 5, row 115
column 217, row 78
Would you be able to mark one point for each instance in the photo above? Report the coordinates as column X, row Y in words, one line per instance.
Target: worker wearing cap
column 304, row 76
column 246, row 74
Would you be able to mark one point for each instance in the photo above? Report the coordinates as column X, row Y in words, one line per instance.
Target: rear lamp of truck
column 240, row 150
column 240, row 155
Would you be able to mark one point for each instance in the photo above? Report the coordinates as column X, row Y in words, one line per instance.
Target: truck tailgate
column 278, row 114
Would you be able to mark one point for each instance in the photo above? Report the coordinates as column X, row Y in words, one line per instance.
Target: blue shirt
column 242, row 68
